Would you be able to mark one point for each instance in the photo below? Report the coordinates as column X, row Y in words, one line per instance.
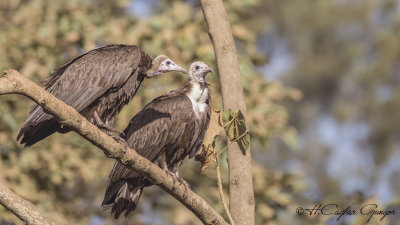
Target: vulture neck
column 152, row 71
column 146, row 65
column 154, row 65
column 198, row 94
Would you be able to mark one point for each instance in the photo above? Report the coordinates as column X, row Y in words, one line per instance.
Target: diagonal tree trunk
column 14, row 83
column 23, row 209
column 241, row 196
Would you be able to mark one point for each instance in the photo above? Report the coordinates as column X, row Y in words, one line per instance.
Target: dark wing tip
column 122, row 205
column 24, row 142
column 21, row 132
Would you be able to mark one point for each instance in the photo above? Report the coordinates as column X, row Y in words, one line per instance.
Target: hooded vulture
column 98, row 85
column 167, row 130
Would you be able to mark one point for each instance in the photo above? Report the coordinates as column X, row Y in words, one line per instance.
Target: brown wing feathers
column 86, row 79
column 157, row 129
column 165, row 132
column 103, row 81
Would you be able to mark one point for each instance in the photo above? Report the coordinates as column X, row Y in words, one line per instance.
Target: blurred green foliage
column 343, row 56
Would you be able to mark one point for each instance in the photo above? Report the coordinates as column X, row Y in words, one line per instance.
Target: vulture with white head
column 98, row 85
column 167, row 130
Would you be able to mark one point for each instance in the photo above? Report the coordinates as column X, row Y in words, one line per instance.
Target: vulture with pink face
column 98, row 85
column 167, row 130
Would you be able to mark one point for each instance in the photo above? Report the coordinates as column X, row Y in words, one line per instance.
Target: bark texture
column 23, row 209
column 241, row 195
column 14, row 83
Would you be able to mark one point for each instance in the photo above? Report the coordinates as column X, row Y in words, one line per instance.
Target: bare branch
column 14, row 83
column 221, row 190
column 241, row 195
column 22, row 208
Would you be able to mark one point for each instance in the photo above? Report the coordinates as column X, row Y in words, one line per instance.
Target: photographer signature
column 369, row 210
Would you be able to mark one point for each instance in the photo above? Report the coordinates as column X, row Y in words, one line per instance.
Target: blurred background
column 321, row 85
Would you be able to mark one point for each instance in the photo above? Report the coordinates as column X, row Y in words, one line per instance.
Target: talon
column 126, row 146
column 123, row 142
column 122, row 134
column 173, row 184
column 119, row 139
column 185, row 194
column 174, row 178
column 105, row 126
column 185, row 185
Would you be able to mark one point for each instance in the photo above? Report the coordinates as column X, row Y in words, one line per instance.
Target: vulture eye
column 197, row 67
column 168, row 63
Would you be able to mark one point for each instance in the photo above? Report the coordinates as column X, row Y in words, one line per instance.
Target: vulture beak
column 209, row 70
column 204, row 73
column 177, row 68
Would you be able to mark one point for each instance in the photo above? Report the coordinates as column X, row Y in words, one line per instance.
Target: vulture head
column 199, row 71
column 162, row 64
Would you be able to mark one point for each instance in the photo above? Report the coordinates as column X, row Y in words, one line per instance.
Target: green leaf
column 244, row 143
column 235, row 128
column 228, row 124
column 241, row 124
column 230, row 131
column 226, row 116
column 242, row 132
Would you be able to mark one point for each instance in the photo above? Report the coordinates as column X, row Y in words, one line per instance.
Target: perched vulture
column 167, row 130
column 97, row 84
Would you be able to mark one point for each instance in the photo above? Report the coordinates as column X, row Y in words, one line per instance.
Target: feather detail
column 102, row 80
column 167, row 130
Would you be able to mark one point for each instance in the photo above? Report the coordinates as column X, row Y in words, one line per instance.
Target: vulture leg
column 185, row 184
column 182, row 181
column 109, row 130
column 103, row 125
column 174, row 178
column 119, row 140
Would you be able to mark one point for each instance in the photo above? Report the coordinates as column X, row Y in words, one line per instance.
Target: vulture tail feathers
column 34, row 134
column 123, row 196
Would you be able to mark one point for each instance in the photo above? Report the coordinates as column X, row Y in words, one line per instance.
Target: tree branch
column 241, row 195
column 23, row 209
column 221, row 190
column 14, row 83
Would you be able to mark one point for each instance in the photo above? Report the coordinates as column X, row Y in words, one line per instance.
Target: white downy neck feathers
column 198, row 98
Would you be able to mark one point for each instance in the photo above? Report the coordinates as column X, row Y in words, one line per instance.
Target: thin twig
column 221, row 192
column 229, row 122
column 233, row 141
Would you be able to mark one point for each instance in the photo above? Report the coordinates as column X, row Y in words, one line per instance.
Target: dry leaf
column 208, row 147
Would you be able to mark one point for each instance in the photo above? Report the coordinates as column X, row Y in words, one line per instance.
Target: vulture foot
column 180, row 180
column 174, row 178
column 118, row 139
column 185, row 184
column 105, row 126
